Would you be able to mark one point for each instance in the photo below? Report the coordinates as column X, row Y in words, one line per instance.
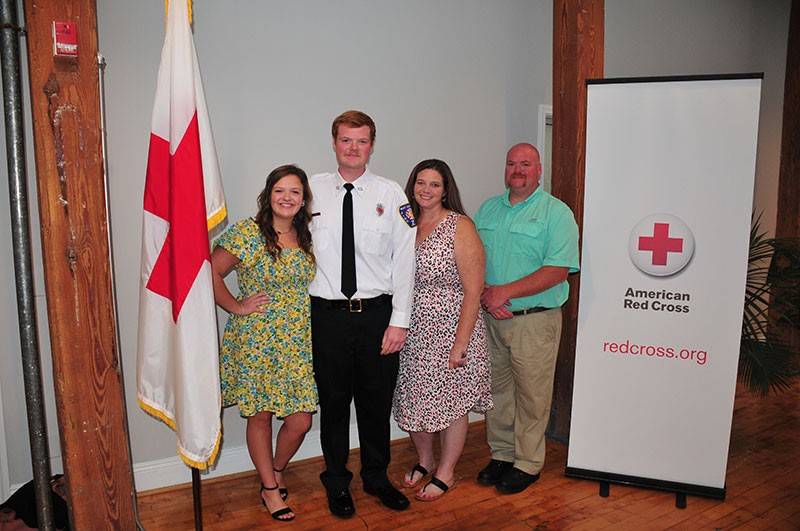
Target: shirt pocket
column 375, row 236
column 527, row 238
column 320, row 233
column 487, row 230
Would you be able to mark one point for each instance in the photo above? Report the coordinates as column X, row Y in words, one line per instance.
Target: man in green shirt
column 531, row 241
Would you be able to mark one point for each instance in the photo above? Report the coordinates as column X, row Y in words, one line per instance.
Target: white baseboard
column 172, row 471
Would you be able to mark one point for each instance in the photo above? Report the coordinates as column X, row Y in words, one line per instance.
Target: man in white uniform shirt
column 363, row 233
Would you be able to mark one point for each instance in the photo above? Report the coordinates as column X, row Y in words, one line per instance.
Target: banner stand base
column 681, row 490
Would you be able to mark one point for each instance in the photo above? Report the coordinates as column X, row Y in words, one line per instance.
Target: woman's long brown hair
column 301, row 219
column 451, row 198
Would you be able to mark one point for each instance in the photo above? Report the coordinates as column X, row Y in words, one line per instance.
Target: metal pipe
column 23, row 268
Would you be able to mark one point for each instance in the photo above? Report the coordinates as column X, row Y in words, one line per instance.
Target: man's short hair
column 354, row 119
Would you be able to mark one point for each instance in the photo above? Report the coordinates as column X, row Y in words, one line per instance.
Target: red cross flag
column 177, row 363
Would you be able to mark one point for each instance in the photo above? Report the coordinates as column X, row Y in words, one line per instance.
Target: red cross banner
column 177, row 359
column 670, row 164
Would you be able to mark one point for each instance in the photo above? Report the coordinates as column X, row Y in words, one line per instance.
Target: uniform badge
column 408, row 215
column 379, row 209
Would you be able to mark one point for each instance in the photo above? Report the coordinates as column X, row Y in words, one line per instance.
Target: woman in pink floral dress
column 445, row 370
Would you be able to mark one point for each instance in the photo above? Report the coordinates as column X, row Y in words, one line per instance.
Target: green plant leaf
column 772, row 297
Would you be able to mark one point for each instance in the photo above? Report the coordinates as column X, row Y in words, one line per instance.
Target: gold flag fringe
column 188, row 5
column 166, row 419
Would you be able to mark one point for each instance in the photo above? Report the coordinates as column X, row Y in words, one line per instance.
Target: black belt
column 352, row 305
column 530, row 310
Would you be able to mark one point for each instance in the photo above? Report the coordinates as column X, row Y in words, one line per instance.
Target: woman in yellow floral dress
column 265, row 360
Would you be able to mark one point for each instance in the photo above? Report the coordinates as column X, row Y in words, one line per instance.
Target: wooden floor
column 763, row 491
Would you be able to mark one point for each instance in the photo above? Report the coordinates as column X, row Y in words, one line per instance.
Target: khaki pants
column 524, row 351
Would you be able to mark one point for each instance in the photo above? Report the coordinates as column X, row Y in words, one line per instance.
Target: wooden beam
column 788, row 220
column 578, row 38
column 65, row 103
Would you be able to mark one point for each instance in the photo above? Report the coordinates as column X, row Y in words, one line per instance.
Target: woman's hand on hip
column 253, row 304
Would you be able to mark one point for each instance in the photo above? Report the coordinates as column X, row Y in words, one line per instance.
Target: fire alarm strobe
column 65, row 39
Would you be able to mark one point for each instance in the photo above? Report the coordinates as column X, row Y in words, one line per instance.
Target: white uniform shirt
column 383, row 239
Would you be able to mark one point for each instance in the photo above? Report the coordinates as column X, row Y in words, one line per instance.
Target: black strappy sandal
column 283, row 491
column 280, row 512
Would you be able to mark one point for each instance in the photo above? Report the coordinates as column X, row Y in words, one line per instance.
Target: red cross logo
column 660, row 244
column 174, row 192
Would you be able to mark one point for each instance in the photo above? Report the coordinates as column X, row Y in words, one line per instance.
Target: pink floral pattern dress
column 429, row 396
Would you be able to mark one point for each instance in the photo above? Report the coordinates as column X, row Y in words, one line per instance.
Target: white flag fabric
column 177, row 359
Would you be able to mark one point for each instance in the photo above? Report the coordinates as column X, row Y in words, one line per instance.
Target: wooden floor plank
column 762, row 490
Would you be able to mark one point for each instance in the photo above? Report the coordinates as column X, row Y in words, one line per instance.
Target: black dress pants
column 348, row 367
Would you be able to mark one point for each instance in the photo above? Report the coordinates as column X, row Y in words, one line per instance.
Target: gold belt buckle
column 354, row 308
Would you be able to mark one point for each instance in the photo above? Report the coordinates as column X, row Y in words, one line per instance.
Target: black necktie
column 348, row 244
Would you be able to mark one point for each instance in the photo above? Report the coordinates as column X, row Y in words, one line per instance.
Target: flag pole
column 197, row 500
column 180, row 122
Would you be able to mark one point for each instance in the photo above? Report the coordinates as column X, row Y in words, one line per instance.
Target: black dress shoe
column 341, row 503
column 515, row 480
column 492, row 473
column 389, row 496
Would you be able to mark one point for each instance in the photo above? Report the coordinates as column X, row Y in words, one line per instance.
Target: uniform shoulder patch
column 408, row 215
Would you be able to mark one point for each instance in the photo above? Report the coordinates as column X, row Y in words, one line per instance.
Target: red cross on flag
column 177, row 362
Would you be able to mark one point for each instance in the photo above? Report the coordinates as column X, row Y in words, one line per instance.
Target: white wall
column 652, row 37
column 460, row 80
column 456, row 79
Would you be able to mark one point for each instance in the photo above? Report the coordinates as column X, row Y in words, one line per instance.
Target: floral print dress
column 265, row 359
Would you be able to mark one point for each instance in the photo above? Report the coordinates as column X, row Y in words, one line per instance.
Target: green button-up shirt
column 519, row 239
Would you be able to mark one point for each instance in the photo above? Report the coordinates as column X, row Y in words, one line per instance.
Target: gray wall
column 456, row 79
column 652, row 37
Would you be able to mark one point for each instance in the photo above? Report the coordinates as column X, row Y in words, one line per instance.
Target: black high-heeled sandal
column 280, row 512
column 283, row 491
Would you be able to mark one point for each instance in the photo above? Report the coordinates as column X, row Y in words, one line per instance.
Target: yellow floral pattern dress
column 265, row 360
